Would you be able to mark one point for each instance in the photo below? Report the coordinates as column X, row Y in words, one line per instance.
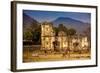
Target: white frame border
column 21, row 65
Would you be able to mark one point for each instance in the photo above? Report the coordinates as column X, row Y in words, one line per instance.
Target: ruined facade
column 63, row 40
column 48, row 38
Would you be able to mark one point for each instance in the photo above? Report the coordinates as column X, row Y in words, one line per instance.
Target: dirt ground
column 39, row 56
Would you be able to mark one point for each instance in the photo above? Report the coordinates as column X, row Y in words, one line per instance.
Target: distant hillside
column 71, row 23
column 29, row 22
column 79, row 26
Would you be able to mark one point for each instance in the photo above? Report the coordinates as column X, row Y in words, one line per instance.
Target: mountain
column 29, row 22
column 79, row 26
column 71, row 23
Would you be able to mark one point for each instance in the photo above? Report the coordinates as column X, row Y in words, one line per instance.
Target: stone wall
column 65, row 42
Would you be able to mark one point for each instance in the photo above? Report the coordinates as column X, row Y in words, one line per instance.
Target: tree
column 33, row 33
column 71, row 32
column 61, row 27
column 37, row 35
column 56, row 31
column 27, row 35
